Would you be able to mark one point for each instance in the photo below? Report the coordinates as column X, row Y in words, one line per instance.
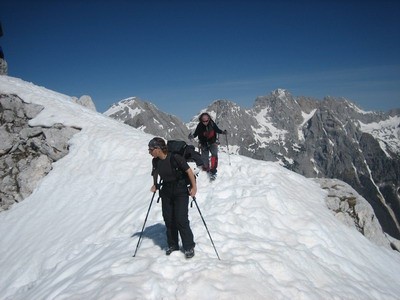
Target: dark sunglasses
column 205, row 121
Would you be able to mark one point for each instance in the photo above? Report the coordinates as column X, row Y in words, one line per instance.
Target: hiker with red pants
column 206, row 131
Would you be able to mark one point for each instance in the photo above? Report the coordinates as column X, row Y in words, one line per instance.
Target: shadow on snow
column 156, row 233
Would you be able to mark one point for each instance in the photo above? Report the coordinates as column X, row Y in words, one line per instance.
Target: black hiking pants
column 175, row 210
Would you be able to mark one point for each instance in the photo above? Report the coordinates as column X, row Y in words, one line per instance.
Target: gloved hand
column 191, row 137
column 225, row 132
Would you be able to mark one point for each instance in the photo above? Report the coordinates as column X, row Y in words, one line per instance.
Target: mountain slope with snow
column 74, row 237
column 147, row 117
column 387, row 132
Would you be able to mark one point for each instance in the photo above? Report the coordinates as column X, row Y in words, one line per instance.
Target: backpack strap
column 179, row 173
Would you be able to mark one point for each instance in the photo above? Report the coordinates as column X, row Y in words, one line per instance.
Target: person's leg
column 170, row 224
column 205, row 156
column 181, row 209
column 214, row 158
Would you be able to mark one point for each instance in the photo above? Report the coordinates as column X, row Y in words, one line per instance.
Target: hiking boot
column 189, row 253
column 171, row 249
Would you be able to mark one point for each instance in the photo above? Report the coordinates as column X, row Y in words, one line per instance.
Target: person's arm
column 197, row 131
column 154, row 187
column 154, row 173
column 218, row 130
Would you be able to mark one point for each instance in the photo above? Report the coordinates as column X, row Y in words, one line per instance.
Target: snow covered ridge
column 60, row 108
column 313, row 138
column 74, row 236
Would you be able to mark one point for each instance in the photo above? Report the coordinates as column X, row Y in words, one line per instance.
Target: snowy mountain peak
column 146, row 116
column 130, row 100
column 281, row 94
column 278, row 100
column 130, row 106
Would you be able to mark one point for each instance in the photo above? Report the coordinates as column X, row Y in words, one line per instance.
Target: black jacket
column 207, row 134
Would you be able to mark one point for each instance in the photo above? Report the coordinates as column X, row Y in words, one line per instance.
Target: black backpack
column 188, row 152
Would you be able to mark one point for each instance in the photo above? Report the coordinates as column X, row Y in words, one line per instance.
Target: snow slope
column 74, row 237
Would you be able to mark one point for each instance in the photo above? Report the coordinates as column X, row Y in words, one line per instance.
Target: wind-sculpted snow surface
column 74, row 237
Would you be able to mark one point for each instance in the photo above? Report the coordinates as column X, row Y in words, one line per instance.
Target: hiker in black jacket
column 206, row 131
column 174, row 194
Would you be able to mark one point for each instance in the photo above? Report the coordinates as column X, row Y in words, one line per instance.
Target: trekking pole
column 195, row 202
column 144, row 224
column 227, row 146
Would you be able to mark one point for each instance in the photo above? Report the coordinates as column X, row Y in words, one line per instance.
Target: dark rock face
column 26, row 153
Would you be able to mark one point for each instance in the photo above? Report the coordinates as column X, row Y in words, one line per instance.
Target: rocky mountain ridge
column 147, row 117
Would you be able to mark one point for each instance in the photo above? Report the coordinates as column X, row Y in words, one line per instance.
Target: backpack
column 188, row 152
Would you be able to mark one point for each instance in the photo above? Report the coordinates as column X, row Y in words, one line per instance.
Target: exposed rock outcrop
column 26, row 153
column 354, row 211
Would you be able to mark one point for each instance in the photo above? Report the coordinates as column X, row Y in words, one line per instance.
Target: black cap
column 154, row 143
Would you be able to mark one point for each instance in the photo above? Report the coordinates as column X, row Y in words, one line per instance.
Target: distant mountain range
column 329, row 138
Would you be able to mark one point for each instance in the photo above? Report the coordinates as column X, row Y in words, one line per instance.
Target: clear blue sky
column 182, row 55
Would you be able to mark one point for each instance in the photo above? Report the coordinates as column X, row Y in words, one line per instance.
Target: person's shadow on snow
column 156, row 233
